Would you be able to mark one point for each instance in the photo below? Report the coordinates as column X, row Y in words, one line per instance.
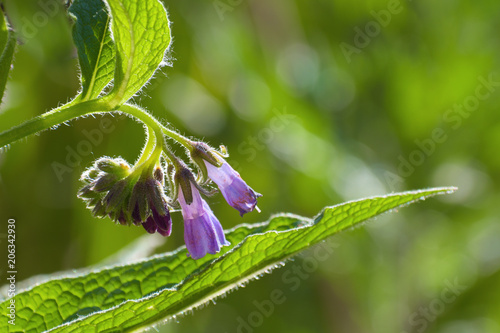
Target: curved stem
column 73, row 110
column 158, row 129
column 171, row 156
column 155, row 158
column 148, row 148
column 177, row 137
column 146, row 118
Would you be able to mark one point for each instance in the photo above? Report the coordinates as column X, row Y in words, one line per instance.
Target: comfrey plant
column 121, row 44
column 143, row 193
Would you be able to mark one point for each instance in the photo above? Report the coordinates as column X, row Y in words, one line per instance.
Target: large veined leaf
column 128, row 297
column 7, row 48
column 96, row 50
column 142, row 35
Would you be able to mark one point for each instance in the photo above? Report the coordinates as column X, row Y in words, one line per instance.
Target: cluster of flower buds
column 113, row 189
column 136, row 195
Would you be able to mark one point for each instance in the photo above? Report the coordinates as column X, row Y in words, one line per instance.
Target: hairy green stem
column 148, row 148
column 146, row 118
column 50, row 119
column 177, row 137
column 75, row 109
column 171, row 156
column 157, row 127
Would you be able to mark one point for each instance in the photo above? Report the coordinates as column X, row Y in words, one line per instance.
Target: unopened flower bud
column 149, row 225
column 138, row 203
column 105, row 182
column 116, row 166
column 86, row 192
column 201, row 152
column 89, row 175
column 159, row 176
column 128, row 195
column 116, row 195
column 156, row 197
column 99, row 210
column 182, row 179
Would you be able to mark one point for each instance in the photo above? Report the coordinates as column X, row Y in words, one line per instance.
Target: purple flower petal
column 203, row 233
column 219, row 232
column 234, row 189
column 150, row 225
column 163, row 223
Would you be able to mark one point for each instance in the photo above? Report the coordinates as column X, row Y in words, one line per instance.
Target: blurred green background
column 318, row 103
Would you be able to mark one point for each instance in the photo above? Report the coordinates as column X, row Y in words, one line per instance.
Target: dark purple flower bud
column 163, row 222
column 234, row 189
column 148, row 206
column 138, row 203
column 202, row 231
column 150, row 225
column 121, row 218
column 136, row 215
column 156, row 196
column 158, row 223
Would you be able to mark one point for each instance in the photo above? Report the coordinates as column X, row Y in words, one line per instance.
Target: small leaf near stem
column 142, row 35
column 96, row 49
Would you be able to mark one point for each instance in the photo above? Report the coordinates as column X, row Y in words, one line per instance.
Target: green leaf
column 96, row 50
column 142, row 35
column 123, row 298
column 7, row 48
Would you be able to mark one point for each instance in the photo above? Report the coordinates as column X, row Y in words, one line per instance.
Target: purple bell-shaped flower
column 234, row 189
column 203, row 233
